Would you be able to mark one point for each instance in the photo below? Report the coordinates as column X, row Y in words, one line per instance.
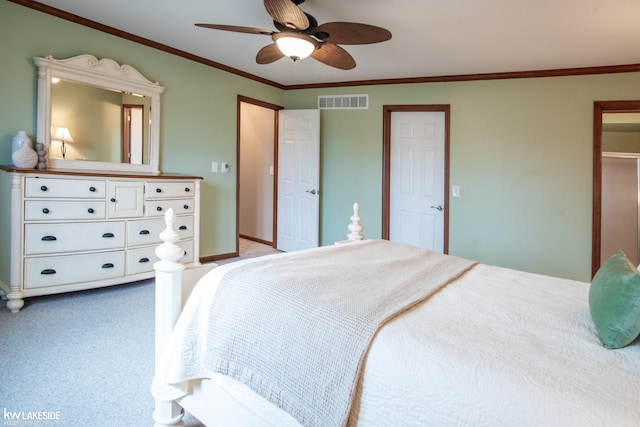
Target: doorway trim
column 600, row 107
column 386, row 162
column 275, row 108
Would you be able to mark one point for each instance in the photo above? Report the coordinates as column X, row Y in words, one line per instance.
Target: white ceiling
column 430, row 38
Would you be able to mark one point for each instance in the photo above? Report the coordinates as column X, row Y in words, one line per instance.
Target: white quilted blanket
column 296, row 328
column 497, row 347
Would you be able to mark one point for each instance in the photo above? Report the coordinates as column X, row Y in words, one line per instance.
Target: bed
column 375, row 333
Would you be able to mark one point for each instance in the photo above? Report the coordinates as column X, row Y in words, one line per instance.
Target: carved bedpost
column 168, row 307
column 355, row 228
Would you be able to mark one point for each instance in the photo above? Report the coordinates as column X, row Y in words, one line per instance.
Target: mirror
column 110, row 114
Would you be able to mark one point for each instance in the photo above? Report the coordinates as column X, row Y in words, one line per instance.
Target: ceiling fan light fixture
column 299, row 36
column 295, row 45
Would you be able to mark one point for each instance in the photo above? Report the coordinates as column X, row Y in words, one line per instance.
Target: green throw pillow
column 614, row 301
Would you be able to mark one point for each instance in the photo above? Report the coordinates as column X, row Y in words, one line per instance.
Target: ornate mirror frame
column 108, row 74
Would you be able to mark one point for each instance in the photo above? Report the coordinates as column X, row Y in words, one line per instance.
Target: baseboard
column 220, row 257
column 255, row 239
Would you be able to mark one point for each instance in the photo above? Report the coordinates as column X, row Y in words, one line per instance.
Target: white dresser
column 67, row 231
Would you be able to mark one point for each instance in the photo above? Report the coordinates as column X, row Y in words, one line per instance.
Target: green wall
column 622, row 142
column 521, row 152
column 521, row 149
column 198, row 115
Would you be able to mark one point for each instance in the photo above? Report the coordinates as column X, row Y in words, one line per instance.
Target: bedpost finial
column 170, row 216
column 355, row 227
column 169, row 251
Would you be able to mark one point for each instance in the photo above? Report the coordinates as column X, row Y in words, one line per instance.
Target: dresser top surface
column 44, row 172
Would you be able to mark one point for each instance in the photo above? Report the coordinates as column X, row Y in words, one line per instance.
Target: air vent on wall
column 343, row 102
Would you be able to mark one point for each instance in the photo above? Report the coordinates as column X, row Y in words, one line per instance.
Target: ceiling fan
column 300, row 36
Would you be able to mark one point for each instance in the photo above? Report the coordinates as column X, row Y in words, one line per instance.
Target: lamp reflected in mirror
column 63, row 136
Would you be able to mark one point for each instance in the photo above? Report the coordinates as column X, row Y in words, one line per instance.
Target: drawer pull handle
column 113, row 200
column 182, row 227
column 105, row 235
column 158, row 190
column 92, row 189
column 107, row 265
column 187, row 189
column 48, row 271
column 49, row 238
column 186, row 206
column 144, row 232
column 159, row 208
column 44, row 188
column 45, row 210
column 143, row 260
column 90, row 210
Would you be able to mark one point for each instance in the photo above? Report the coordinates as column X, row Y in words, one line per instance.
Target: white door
column 417, row 179
column 298, row 179
column 136, row 135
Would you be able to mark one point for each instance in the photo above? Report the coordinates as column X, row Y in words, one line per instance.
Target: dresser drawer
column 41, row 210
column 161, row 189
column 160, row 207
column 187, row 245
column 65, row 188
column 141, row 260
column 57, row 238
column 148, row 231
column 64, row 270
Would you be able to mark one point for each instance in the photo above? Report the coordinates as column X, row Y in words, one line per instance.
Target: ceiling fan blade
column 334, row 56
column 237, row 29
column 287, row 13
column 269, row 54
column 351, row 33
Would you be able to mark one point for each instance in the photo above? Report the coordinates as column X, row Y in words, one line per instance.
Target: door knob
column 439, row 207
column 312, row 191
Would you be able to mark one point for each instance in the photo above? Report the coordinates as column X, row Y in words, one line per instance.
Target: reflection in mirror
column 133, row 135
column 112, row 111
column 100, row 122
column 620, row 222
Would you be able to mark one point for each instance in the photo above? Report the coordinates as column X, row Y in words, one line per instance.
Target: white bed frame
column 208, row 403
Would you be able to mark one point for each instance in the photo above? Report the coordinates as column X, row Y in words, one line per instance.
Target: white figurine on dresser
column 73, row 231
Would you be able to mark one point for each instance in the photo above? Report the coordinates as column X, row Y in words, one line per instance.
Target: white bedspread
column 296, row 328
column 497, row 347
